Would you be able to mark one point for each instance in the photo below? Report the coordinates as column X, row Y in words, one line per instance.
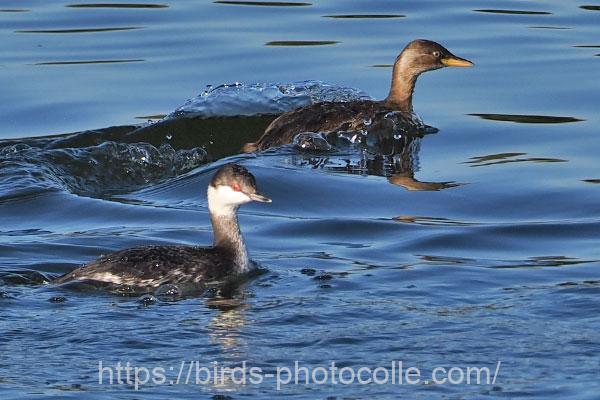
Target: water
column 474, row 245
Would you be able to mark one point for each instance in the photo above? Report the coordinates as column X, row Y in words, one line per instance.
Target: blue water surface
column 481, row 250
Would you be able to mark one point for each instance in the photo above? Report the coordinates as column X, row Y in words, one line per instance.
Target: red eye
column 236, row 187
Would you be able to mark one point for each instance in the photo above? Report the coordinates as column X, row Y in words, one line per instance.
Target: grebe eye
column 236, row 187
column 436, row 54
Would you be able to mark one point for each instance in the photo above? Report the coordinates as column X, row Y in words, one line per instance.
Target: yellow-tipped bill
column 453, row 61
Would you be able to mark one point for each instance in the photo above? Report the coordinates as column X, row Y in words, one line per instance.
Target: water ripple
column 117, row 5
column 507, row 158
column 92, row 171
column 88, row 62
column 80, row 30
column 365, row 16
column 513, row 12
column 263, row 3
column 527, row 119
column 301, row 43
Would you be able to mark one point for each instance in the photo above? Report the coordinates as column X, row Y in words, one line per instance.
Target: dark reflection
column 544, row 262
column 23, row 277
column 230, row 301
column 396, row 158
column 301, row 43
column 591, row 180
column 220, row 137
column 365, row 16
column 170, row 142
column 92, row 163
column 590, row 8
column 382, row 65
column 81, row 30
column 515, row 12
column 506, row 158
column 588, row 46
column 550, row 27
column 527, row 119
column 14, row 10
column 264, row 3
column 117, row 5
column 88, row 62
column 437, row 259
column 151, row 117
column 429, row 221
column 531, row 262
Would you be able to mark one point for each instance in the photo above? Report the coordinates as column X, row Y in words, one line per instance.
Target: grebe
column 328, row 117
column 153, row 266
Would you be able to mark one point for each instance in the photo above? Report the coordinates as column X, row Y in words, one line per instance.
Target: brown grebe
column 367, row 115
column 153, row 266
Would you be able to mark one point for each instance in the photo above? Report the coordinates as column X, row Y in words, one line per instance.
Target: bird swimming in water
column 366, row 115
column 154, row 266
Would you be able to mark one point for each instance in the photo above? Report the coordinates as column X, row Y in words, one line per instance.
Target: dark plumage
column 153, row 266
column 417, row 57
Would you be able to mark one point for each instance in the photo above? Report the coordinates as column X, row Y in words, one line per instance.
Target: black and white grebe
column 330, row 117
column 154, row 266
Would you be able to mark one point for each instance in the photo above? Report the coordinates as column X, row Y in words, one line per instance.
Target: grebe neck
column 227, row 234
column 403, row 86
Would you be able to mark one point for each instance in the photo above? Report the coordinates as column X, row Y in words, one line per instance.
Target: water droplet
column 207, row 90
column 57, row 299
column 147, row 300
column 169, row 136
column 367, row 121
column 363, row 132
column 397, row 136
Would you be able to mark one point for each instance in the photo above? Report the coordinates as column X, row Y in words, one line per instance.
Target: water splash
column 263, row 98
column 93, row 171
column 310, row 141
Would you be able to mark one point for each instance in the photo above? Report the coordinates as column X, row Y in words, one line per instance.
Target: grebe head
column 425, row 55
column 230, row 187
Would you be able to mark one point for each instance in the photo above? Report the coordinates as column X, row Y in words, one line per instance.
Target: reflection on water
column 301, row 43
column 264, row 3
column 550, row 27
column 395, row 157
column 151, row 118
column 87, row 62
column 117, row 5
column 225, row 326
column 507, row 158
column 429, row 221
column 590, row 8
column 81, row 30
column 527, row 119
column 544, row 262
column 514, row 12
column 365, row 16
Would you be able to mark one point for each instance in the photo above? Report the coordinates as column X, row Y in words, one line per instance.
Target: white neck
column 223, row 204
